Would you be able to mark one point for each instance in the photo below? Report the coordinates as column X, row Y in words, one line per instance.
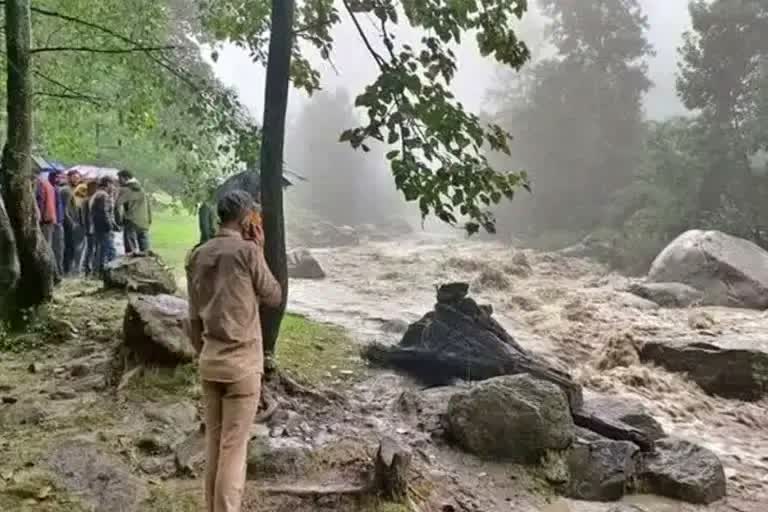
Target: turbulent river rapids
column 573, row 312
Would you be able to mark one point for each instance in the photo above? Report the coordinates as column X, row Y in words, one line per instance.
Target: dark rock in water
column 619, row 418
column 515, row 417
column 101, row 481
column 453, row 292
column 684, row 471
column 729, row 271
column 461, row 340
column 592, row 247
column 140, row 274
column 302, row 265
column 730, row 366
column 273, row 456
column 668, row 295
column 153, row 330
column 600, row 469
column 325, row 234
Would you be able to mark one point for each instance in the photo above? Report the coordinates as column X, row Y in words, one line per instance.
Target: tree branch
column 73, row 19
column 378, row 58
column 86, row 49
column 68, row 96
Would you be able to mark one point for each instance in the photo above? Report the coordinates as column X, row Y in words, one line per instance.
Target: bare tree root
column 316, row 490
column 271, row 406
column 292, row 387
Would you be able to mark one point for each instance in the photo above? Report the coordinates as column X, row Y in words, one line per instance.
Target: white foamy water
column 565, row 309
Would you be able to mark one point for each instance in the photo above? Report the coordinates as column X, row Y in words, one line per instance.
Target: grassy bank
column 85, row 321
column 173, row 235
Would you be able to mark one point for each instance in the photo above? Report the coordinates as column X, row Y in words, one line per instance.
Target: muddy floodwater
column 572, row 312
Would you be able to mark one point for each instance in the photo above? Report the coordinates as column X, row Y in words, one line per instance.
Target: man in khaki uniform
column 227, row 279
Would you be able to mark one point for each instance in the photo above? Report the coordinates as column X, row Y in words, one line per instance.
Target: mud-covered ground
column 574, row 313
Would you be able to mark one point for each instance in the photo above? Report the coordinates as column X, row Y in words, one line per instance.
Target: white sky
column 668, row 19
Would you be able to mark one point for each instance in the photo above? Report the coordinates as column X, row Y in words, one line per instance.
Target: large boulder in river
column 668, row 295
column 729, row 271
column 684, row 471
column 732, row 366
column 140, row 274
column 599, row 469
column 153, row 330
column 619, row 418
column 302, row 265
column 517, row 418
column 325, row 234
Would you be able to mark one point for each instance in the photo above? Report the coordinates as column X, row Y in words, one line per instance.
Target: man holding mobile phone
column 228, row 279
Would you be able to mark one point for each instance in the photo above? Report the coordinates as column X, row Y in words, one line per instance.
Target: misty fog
column 606, row 160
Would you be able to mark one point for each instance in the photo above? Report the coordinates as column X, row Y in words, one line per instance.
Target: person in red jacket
column 46, row 203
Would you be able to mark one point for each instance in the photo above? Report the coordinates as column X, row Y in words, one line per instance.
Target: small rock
column 79, row 370
column 63, row 394
column 35, row 368
column 667, row 295
column 190, row 454
column 22, row 413
column 181, row 416
column 153, row 465
column 102, row 482
column 153, row 445
column 701, row 321
column 682, row 470
column 270, row 456
column 9, row 400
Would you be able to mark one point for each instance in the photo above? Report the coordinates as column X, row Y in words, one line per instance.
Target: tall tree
column 9, row 260
column 577, row 117
column 273, row 140
column 35, row 258
column 440, row 161
column 724, row 76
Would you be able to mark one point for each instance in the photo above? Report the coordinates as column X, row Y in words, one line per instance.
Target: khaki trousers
column 229, row 413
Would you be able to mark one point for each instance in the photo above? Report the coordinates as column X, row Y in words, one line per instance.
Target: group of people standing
column 79, row 218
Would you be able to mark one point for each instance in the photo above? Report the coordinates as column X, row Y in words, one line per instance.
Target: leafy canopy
column 440, row 158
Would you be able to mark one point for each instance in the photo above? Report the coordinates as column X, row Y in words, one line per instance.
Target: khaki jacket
column 227, row 280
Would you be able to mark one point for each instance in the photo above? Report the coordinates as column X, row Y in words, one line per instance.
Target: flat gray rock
column 682, row 470
column 100, row 480
column 732, row 366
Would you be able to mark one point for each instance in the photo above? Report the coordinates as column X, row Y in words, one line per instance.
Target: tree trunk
column 9, row 260
column 275, row 106
column 35, row 284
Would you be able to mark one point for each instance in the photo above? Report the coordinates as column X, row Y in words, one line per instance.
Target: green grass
column 164, row 384
column 173, row 235
column 317, row 353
